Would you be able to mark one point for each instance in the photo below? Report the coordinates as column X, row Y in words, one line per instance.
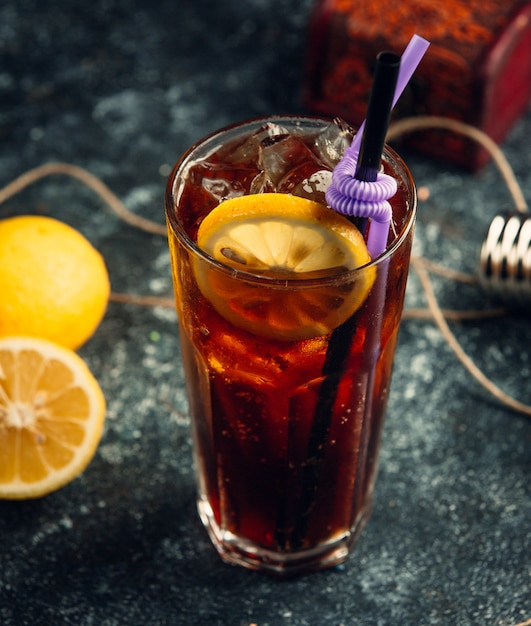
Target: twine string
column 91, row 181
column 465, row 359
column 421, row 265
column 422, row 122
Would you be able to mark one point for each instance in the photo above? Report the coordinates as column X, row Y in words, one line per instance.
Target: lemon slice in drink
column 283, row 238
column 52, row 413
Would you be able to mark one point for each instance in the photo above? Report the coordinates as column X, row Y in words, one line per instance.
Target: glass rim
column 348, row 275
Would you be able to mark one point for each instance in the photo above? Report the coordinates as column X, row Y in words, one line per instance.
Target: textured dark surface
column 122, row 88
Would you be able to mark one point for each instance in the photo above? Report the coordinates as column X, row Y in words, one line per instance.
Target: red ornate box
column 477, row 69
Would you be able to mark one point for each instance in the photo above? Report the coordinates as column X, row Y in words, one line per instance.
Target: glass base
column 238, row 551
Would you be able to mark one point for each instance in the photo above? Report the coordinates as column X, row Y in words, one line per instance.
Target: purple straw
column 358, row 198
column 411, row 57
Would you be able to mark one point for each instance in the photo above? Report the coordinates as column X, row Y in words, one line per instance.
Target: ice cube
column 222, row 181
column 280, row 156
column 307, row 182
column 245, row 153
column 332, row 142
column 262, row 184
column 222, row 189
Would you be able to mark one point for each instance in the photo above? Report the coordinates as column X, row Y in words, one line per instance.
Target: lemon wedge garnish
column 283, row 238
column 52, row 412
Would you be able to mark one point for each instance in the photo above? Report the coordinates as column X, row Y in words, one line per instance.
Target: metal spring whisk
column 505, row 259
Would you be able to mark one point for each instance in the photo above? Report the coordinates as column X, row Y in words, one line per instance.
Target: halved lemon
column 52, row 413
column 284, row 238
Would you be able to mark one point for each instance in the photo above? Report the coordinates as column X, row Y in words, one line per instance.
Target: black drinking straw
column 377, row 121
column 378, row 115
column 370, row 155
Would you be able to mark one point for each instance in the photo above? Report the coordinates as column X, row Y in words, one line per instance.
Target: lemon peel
column 53, row 283
column 52, row 413
column 283, row 238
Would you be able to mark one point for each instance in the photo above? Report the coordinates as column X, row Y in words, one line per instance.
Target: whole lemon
column 53, row 283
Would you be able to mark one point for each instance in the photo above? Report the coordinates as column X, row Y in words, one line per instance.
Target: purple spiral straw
column 363, row 198
column 358, row 189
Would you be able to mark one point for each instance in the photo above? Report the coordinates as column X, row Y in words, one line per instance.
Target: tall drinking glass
column 286, row 427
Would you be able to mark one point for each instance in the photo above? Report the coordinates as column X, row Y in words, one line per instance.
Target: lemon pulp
column 52, row 412
column 285, row 237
